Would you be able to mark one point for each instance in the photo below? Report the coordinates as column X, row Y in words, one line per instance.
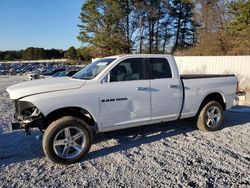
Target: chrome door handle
column 174, row 86
column 141, row 88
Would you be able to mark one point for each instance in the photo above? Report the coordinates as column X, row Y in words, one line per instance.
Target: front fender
column 49, row 102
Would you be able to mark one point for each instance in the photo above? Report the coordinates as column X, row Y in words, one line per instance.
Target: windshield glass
column 93, row 69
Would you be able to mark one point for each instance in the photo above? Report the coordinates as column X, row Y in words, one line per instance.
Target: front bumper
column 27, row 116
column 15, row 126
column 39, row 123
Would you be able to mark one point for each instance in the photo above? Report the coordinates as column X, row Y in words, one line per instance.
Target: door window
column 160, row 68
column 129, row 69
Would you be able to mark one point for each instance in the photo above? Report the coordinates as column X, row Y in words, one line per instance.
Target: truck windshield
column 93, row 69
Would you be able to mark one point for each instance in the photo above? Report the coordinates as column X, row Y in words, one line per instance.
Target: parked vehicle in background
column 50, row 73
column 39, row 68
column 60, row 74
column 71, row 73
column 32, row 75
column 115, row 93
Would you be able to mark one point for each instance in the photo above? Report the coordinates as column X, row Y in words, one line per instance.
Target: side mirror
column 106, row 79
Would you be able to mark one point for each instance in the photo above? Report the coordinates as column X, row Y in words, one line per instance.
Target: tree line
column 32, row 53
column 179, row 27
column 188, row 27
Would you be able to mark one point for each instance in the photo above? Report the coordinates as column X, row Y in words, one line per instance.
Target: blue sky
column 39, row 23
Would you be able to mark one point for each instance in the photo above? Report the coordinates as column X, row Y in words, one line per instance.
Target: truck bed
column 198, row 76
column 198, row 86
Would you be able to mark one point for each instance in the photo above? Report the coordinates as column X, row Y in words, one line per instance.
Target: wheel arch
column 216, row 96
column 72, row 111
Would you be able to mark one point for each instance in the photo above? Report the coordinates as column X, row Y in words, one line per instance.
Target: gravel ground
column 164, row 155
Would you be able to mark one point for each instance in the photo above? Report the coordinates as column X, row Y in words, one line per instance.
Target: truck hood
column 33, row 87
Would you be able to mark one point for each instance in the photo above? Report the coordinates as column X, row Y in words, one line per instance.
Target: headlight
column 24, row 108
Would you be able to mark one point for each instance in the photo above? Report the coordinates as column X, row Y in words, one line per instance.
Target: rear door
column 166, row 90
column 125, row 99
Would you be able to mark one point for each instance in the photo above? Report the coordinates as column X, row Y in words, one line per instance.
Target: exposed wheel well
column 73, row 111
column 213, row 97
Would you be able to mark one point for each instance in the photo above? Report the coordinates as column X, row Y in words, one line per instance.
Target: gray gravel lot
column 174, row 154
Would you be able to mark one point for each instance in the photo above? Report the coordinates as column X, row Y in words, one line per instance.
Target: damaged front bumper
column 27, row 126
column 15, row 126
column 27, row 116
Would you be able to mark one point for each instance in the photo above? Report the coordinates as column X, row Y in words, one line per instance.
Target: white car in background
column 32, row 75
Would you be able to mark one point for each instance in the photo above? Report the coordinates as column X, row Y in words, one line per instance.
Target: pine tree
column 148, row 26
column 182, row 13
column 240, row 10
column 71, row 53
column 102, row 27
column 212, row 37
column 239, row 27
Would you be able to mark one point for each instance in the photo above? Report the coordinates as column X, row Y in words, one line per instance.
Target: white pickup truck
column 115, row 93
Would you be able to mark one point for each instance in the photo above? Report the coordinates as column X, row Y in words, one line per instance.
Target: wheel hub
column 213, row 116
column 69, row 142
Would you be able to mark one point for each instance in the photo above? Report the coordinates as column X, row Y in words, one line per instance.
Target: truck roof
column 138, row 55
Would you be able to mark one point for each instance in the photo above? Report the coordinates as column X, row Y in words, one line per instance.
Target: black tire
column 56, row 128
column 205, row 123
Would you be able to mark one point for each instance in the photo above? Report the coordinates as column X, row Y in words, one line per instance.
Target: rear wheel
column 211, row 117
column 67, row 140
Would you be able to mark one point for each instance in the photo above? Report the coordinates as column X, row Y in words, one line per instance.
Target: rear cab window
column 159, row 68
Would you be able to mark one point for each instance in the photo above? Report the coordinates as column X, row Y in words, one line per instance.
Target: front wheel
column 210, row 117
column 67, row 140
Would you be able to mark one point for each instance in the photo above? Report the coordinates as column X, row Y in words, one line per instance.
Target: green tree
column 150, row 11
column 150, row 26
column 2, row 54
column 102, row 25
column 71, row 53
column 54, row 54
column 18, row 54
column 239, row 27
column 85, row 53
column 33, row 54
column 182, row 13
column 9, row 57
column 211, row 37
column 39, row 53
column 28, row 54
column 240, row 10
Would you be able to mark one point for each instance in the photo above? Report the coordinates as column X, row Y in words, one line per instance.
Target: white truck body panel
column 197, row 89
column 42, row 86
column 130, row 106
column 159, row 101
column 84, row 97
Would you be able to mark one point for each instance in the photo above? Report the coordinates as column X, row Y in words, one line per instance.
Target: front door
column 125, row 99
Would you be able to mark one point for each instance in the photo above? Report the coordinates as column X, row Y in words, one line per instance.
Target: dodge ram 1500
column 115, row 93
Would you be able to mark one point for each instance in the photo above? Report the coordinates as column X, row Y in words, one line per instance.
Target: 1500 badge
column 113, row 100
